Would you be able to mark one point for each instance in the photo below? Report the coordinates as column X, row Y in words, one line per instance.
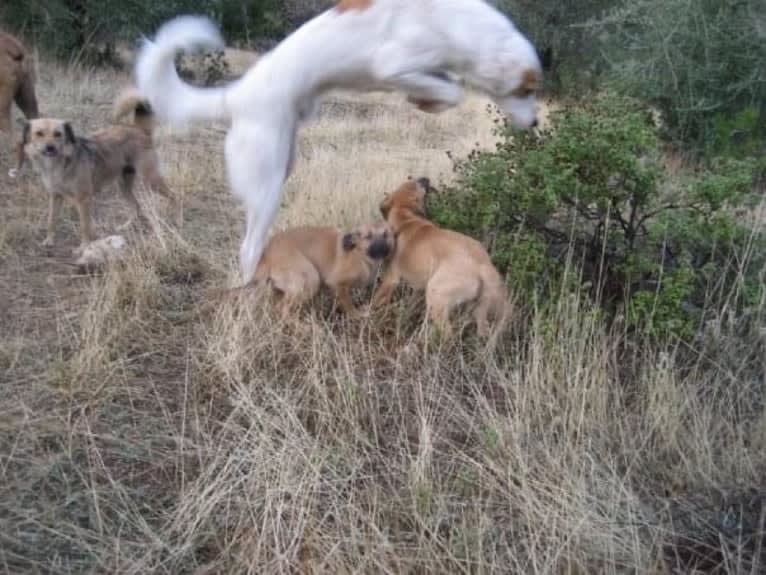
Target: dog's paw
column 13, row 173
column 47, row 242
column 429, row 106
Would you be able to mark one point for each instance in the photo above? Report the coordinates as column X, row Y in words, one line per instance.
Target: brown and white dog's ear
column 69, row 133
column 424, row 183
column 349, row 241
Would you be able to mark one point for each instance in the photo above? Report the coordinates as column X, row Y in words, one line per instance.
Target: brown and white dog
column 298, row 261
column 423, row 48
column 452, row 268
column 77, row 168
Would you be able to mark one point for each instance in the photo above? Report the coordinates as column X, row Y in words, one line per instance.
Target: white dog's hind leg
column 260, row 217
column 418, row 75
column 429, row 88
column 257, row 168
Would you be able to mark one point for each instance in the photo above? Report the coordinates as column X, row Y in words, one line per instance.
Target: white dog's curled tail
column 156, row 77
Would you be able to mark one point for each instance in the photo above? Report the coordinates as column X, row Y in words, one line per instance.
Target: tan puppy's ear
column 424, row 183
column 384, row 205
column 349, row 241
column 69, row 133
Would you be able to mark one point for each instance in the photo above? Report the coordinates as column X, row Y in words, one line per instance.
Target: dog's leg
column 257, row 166
column 447, row 289
column 343, row 296
column 127, row 181
column 54, row 209
column 83, row 210
column 26, row 99
column 415, row 74
column 6, row 100
column 299, row 283
column 152, row 176
column 386, row 289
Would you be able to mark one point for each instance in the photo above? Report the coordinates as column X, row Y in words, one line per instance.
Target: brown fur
column 298, row 261
column 17, row 81
column 77, row 168
column 345, row 5
column 452, row 268
column 530, row 83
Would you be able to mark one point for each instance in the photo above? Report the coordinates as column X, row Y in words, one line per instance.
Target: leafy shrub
column 206, row 69
column 593, row 190
column 90, row 29
column 701, row 63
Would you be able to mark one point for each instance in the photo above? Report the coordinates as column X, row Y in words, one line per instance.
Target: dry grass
column 147, row 428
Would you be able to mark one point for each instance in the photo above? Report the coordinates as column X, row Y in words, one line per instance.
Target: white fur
column 419, row 47
column 100, row 251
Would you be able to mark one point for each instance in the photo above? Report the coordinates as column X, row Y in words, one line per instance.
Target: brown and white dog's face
column 411, row 195
column 376, row 241
column 513, row 76
column 48, row 138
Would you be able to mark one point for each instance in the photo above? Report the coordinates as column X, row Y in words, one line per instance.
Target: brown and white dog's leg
column 54, row 209
column 83, row 210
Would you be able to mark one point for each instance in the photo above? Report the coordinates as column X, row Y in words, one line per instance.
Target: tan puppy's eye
column 56, row 134
column 39, row 133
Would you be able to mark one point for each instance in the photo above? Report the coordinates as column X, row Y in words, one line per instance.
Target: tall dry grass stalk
column 148, row 426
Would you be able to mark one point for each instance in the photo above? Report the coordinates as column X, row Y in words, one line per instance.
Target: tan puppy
column 77, row 168
column 296, row 262
column 17, row 80
column 452, row 268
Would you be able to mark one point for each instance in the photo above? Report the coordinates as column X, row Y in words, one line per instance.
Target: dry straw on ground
column 147, row 428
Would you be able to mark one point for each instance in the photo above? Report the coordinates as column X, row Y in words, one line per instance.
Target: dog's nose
column 49, row 150
column 534, row 123
column 379, row 250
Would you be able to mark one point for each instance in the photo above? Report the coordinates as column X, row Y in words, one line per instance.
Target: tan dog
column 77, row 168
column 452, row 268
column 296, row 262
column 17, row 80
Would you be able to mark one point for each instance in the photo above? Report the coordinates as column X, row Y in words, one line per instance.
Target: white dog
column 419, row 47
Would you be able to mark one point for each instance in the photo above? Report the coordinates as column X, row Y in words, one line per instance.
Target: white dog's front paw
column 13, row 173
column 429, row 106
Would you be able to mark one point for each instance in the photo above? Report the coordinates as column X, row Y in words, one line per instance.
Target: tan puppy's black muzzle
column 379, row 249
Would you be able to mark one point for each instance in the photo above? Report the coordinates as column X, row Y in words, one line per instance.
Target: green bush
column 592, row 191
column 90, row 29
column 702, row 63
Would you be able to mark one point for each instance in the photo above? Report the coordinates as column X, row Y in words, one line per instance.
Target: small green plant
column 592, row 191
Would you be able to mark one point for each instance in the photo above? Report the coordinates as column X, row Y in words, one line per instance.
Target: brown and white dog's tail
column 156, row 76
column 132, row 102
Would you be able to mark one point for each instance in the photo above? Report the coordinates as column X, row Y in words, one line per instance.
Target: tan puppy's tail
column 132, row 102
column 493, row 300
